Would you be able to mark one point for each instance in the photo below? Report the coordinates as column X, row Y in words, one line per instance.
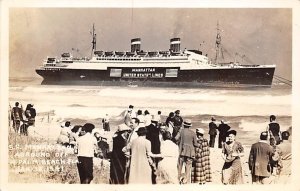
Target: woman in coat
column 232, row 168
column 201, row 172
column 141, row 164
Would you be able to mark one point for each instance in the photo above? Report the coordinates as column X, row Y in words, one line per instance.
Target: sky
column 263, row 35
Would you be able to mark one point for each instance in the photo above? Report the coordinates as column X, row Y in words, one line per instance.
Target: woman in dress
column 141, row 164
column 201, row 167
column 232, row 168
column 167, row 166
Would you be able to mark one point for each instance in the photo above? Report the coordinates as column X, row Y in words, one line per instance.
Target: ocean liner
column 174, row 67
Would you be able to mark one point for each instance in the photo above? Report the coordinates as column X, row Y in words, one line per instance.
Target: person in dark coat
column 274, row 130
column 259, row 160
column 177, row 120
column 30, row 114
column 212, row 132
column 152, row 135
column 17, row 116
column 118, row 158
column 223, row 129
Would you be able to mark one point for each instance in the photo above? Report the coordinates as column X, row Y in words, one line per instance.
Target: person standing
column 86, row 145
column 17, row 117
column 232, row 168
column 223, row 129
column 201, row 167
column 105, row 123
column 118, row 158
column 30, row 114
column 212, row 132
column 259, row 160
column 147, row 118
column 274, row 130
column 177, row 120
column 169, row 152
column 65, row 134
column 141, row 164
column 187, row 142
column 141, row 118
column 153, row 133
column 128, row 117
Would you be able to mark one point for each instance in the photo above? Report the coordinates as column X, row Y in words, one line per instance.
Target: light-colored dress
column 140, row 170
column 168, row 165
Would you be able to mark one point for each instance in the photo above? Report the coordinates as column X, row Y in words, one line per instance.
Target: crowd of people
column 148, row 148
column 21, row 119
column 145, row 147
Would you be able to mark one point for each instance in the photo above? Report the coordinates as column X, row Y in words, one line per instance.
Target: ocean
column 247, row 109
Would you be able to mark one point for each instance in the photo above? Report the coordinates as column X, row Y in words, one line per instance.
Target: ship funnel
column 135, row 44
column 175, row 45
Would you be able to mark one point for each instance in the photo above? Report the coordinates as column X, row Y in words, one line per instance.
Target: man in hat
column 153, row 132
column 177, row 122
column 259, row 160
column 187, row 143
column 223, row 129
column 118, row 158
column 212, row 132
column 86, row 145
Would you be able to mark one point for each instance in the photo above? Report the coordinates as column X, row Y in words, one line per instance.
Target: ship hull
column 225, row 77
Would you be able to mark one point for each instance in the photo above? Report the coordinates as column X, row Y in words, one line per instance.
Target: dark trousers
column 222, row 139
column 85, row 169
column 212, row 140
column 153, row 175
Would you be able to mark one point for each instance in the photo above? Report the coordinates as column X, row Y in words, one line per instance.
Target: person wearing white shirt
column 86, row 145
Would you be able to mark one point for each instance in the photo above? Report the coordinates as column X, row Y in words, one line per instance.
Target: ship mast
column 94, row 40
column 218, row 46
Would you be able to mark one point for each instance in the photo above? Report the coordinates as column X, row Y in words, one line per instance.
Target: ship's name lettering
column 143, row 69
column 143, row 75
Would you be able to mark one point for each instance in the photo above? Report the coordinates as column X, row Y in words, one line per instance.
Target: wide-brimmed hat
column 233, row 132
column 187, row 123
column 123, row 127
column 200, row 130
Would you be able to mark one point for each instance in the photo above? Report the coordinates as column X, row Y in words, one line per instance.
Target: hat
column 187, row 123
column 231, row 132
column 88, row 127
column 200, row 130
column 123, row 127
column 264, row 135
column 177, row 111
column 213, row 118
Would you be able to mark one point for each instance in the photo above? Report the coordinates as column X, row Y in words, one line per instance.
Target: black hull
column 229, row 77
